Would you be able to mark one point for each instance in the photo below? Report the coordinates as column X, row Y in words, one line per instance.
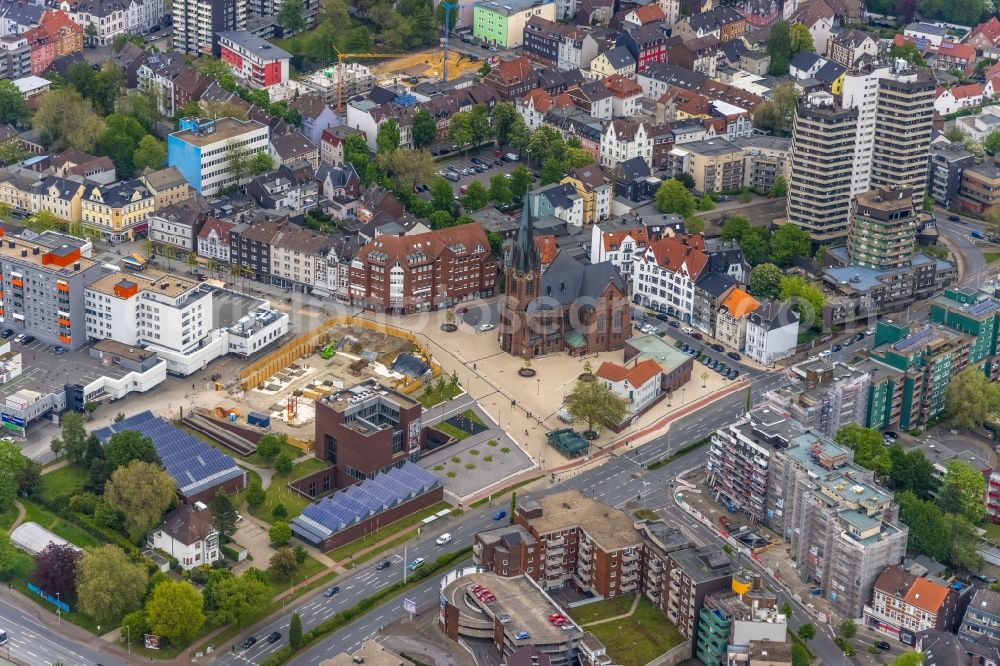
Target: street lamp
column 58, row 608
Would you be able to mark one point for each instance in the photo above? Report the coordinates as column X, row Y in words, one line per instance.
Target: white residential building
column 559, row 200
column 665, row 275
column 624, row 139
column 188, row 536
column 213, row 240
column 955, row 99
column 200, row 150
column 772, row 332
column 622, row 247
column 198, row 22
column 110, row 19
column 639, row 385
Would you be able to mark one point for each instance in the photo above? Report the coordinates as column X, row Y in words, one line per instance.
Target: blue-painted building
column 200, row 150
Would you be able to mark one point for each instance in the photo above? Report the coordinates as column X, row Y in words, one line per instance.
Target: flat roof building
column 200, row 147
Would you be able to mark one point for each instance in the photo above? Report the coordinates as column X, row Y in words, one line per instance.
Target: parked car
column 274, row 637
column 696, row 335
column 499, row 514
column 59, row 350
column 954, row 218
column 331, row 591
column 883, row 645
column 28, row 339
column 717, row 347
column 522, row 636
column 486, row 327
column 835, row 348
column 443, row 539
column 415, row 564
column 673, row 324
column 20, row 337
column 7, row 332
column 662, row 317
column 824, row 353
column 688, row 330
column 734, row 356
column 891, row 434
column 384, row 564
column 735, row 374
column 985, row 578
column 249, row 643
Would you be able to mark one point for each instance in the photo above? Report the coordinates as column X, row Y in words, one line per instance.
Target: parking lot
column 466, row 170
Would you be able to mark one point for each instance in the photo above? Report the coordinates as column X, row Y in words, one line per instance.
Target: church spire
column 524, row 257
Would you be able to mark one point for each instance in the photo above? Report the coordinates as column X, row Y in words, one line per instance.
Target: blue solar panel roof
column 984, row 307
column 364, row 500
column 193, row 464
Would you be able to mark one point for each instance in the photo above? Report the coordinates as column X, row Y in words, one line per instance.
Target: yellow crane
column 341, row 74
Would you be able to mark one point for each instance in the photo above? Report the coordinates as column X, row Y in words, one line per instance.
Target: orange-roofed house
column 732, row 316
column 534, row 106
column 953, row 55
column 640, row 16
column 903, row 605
column 638, row 384
column 957, row 98
column 985, row 37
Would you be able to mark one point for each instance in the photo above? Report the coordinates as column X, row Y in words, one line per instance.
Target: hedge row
column 344, row 617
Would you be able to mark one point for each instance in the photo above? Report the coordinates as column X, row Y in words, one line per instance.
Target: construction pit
column 429, row 62
column 353, row 355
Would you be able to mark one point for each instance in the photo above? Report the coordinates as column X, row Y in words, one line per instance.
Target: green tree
column 270, row 445
column 734, row 228
column 109, row 584
column 295, row 631
column 673, row 197
column 424, row 128
column 504, row 119
column 500, row 192
column 223, row 513
column 546, row 143
column 694, row 225
column 908, row 659
column 388, row 137
column 290, row 16
column 408, row 167
column 238, row 160
column 962, row 491
column 765, row 281
column 756, row 245
column 992, row 142
column 576, row 158
column 779, row 47
column 142, row 491
column 282, row 565
column 596, row 404
column 65, row 120
column 442, row 196
column 175, row 610
column 239, row 599
column 520, row 182
column 804, row 298
column 149, row 153
column 970, row 398
column 356, row 153
column 786, row 610
column 800, row 38
column 552, row 172
column 13, row 108
column 460, row 129
column 848, row 629
column 261, row 163
column 963, row 546
column 476, row 196
column 256, row 494
column 911, row 470
column 134, row 624
column 869, row 451
column 90, row 35
column 280, row 533
column 479, row 124
column 780, row 188
column 907, row 52
column 29, row 479
column 705, row 203
column 806, row 632
column 128, row 445
column 11, row 152
column 283, row 464
column 800, row 655
column 12, row 463
column 359, row 40
column 928, row 527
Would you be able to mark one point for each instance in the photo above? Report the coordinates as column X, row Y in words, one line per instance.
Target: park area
column 640, row 634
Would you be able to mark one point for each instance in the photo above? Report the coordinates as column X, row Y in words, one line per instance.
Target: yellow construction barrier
column 306, row 344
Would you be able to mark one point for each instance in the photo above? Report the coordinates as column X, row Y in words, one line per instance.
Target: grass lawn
column 308, row 568
column 432, row 396
column 7, row 518
column 343, row 553
column 61, row 484
column 307, row 467
column 600, row 610
column 452, row 431
column 255, row 459
column 79, row 619
column 637, row 640
column 72, row 533
column 991, row 256
column 992, row 532
column 472, row 416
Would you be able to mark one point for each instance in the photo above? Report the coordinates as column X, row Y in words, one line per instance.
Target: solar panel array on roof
column 362, row 501
column 984, row 307
column 920, row 337
column 193, row 464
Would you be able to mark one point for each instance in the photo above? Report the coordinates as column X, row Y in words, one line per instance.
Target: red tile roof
column 990, row 29
column 516, row 70
column 967, row 90
column 649, row 14
column 622, row 86
column 739, row 303
column 610, row 238
column 673, row 253
column 546, row 248
column 636, row 375
column 926, row 595
column 958, row 51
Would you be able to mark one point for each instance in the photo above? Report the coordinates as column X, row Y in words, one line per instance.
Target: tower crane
column 341, row 72
column 448, row 6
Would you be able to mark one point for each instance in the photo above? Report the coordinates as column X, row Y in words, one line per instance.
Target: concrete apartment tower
column 197, row 22
column 822, row 158
column 892, row 106
column 883, row 228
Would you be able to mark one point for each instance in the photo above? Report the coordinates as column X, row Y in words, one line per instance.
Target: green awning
column 574, row 339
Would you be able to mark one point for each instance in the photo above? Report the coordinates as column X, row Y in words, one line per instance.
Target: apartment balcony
column 631, row 558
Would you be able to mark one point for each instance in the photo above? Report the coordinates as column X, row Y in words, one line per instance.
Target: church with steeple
column 569, row 307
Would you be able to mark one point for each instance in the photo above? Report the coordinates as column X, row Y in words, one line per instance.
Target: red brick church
column 581, row 309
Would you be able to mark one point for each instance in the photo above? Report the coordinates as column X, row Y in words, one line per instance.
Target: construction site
column 278, row 391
